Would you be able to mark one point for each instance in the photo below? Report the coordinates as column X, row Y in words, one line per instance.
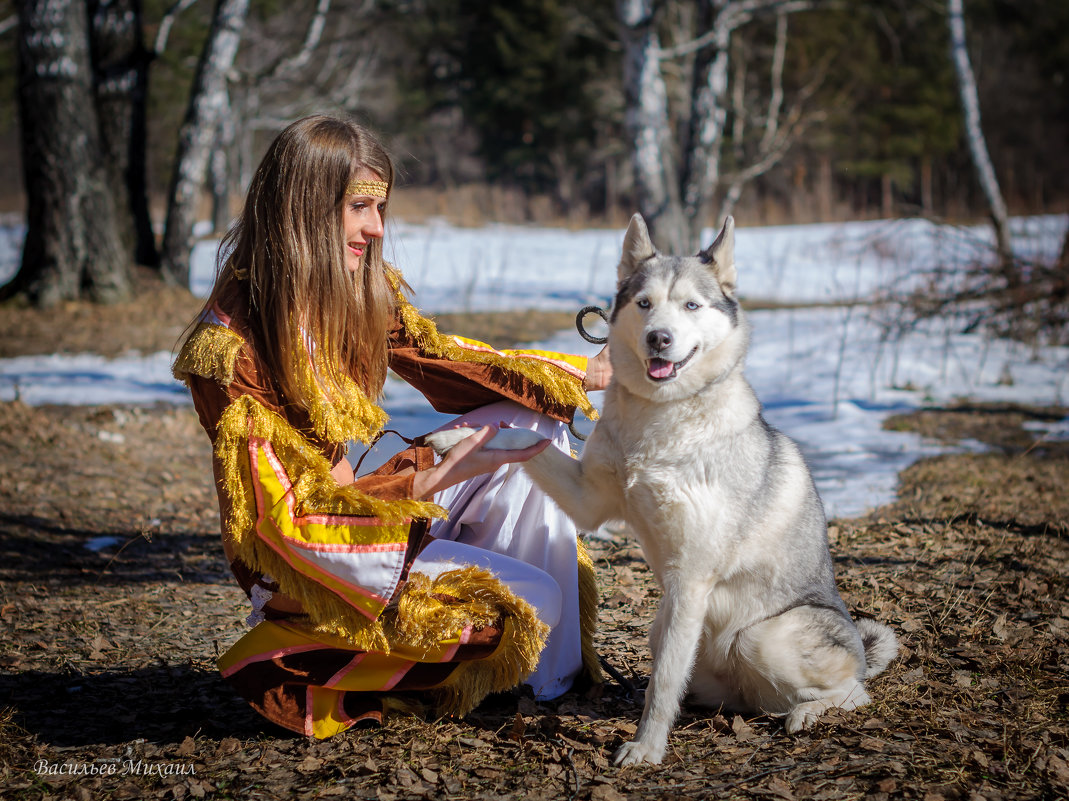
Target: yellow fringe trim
column 210, row 352
column 422, row 620
column 588, row 613
column 344, row 415
column 559, row 385
column 515, row 658
column 315, row 491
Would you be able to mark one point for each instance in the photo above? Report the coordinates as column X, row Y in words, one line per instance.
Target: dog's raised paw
column 636, row 751
column 506, row 439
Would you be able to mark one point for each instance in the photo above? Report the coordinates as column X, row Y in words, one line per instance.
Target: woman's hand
column 468, row 459
column 598, row 371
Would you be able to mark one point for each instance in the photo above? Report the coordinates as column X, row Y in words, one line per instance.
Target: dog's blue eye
column 643, row 304
column 692, row 306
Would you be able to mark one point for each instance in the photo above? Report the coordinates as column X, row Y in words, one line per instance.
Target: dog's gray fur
column 722, row 504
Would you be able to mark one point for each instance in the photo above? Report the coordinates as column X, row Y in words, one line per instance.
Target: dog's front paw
column 506, row 439
column 638, row 751
column 443, row 441
column 514, row 439
column 804, row 716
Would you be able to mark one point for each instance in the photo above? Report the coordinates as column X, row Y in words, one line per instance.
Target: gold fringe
column 420, row 619
column 315, row 489
column 344, row 415
column 522, row 639
column 588, row 612
column 559, row 385
column 210, row 352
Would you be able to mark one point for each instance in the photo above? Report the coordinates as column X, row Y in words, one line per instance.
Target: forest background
column 518, row 112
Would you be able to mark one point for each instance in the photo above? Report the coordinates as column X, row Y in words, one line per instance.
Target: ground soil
column 108, row 687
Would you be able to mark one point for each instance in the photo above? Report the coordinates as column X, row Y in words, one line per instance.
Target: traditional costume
column 397, row 600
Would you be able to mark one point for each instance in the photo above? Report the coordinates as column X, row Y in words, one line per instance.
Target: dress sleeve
column 339, row 552
column 457, row 374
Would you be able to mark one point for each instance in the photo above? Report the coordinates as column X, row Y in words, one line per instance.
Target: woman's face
column 361, row 222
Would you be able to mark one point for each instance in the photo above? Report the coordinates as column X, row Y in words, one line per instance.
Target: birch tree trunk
column 674, row 189
column 702, row 151
column 207, row 107
column 974, row 134
column 72, row 248
column 656, row 177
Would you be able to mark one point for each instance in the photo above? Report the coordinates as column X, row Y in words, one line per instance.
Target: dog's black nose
column 658, row 340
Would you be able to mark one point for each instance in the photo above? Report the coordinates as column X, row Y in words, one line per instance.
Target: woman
column 429, row 580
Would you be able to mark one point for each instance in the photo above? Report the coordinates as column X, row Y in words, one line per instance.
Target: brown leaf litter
column 108, row 688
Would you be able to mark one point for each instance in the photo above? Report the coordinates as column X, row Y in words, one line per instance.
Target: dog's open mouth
column 663, row 370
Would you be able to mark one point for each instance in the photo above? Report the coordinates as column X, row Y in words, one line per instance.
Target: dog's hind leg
column 802, row 663
column 676, row 635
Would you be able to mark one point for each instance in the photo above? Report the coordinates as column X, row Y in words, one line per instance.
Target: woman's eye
column 692, row 306
column 382, row 208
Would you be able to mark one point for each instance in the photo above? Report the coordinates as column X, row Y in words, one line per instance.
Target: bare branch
column 733, row 16
column 311, row 41
column 985, row 170
column 778, row 136
column 775, row 100
column 164, row 32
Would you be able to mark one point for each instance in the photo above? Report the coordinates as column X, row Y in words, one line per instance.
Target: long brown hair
column 288, row 248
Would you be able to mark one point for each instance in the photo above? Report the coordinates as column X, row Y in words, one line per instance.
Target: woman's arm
column 467, row 460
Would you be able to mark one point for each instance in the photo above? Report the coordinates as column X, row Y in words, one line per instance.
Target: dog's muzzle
column 660, row 370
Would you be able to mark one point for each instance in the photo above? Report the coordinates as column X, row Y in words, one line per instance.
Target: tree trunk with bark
column 656, row 179
column 675, row 187
column 120, row 63
column 72, row 248
column 974, row 134
column 207, row 107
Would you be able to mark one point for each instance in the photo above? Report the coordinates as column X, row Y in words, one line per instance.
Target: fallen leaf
column 743, row 730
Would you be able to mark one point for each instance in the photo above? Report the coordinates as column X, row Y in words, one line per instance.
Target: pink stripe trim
column 565, row 366
column 396, row 677
column 356, row 588
column 341, row 547
column 349, row 666
column 465, row 635
column 266, row 655
column 342, row 715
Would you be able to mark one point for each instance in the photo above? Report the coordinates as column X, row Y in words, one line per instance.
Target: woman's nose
column 374, row 226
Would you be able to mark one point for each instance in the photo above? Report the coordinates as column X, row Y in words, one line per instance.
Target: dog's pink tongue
column 660, row 368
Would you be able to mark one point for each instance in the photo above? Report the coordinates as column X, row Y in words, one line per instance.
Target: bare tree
column 676, row 186
column 72, row 247
column 974, row 134
column 207, row 106
column 120, row 71
column 278, row 74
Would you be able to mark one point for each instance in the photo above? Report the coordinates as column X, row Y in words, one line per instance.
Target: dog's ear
column 721, row 255
column 637, row 247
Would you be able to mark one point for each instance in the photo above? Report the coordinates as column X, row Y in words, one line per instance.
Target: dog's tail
column 881, row 645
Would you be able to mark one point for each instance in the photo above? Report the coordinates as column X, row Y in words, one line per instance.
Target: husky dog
column 723, row 505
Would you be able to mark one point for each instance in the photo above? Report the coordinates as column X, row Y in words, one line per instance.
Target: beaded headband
column 370, row 188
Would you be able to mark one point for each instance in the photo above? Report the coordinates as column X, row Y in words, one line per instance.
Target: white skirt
column 502, row 522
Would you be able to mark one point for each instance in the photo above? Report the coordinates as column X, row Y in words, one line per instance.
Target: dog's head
column 676, row 326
